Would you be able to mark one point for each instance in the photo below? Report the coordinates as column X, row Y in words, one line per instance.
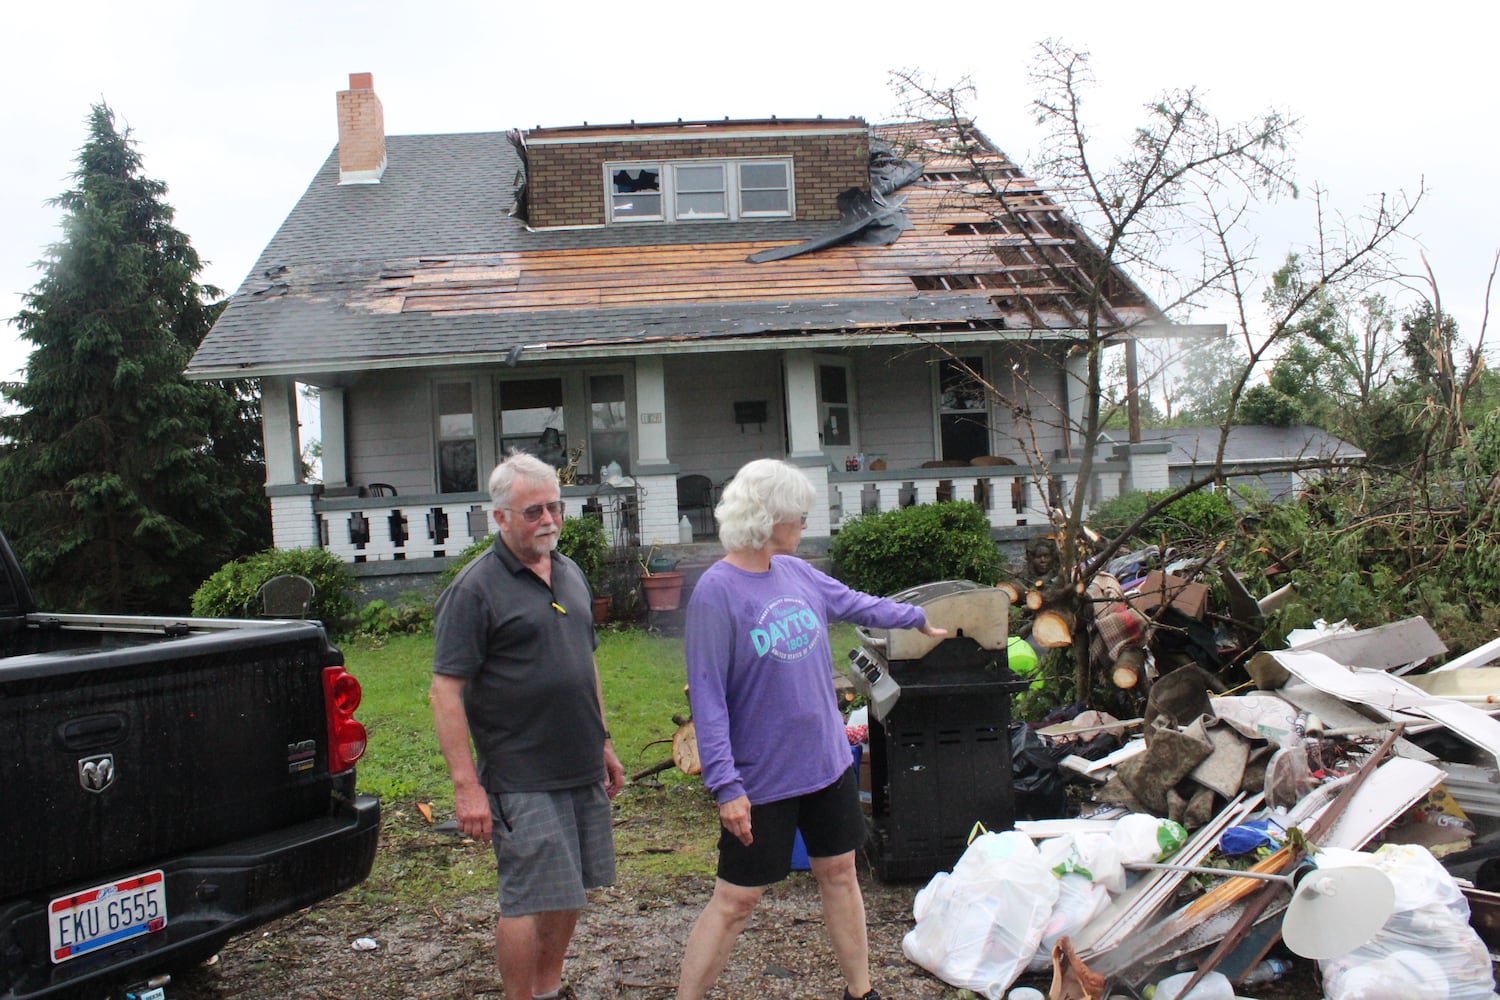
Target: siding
column 894, row 389
column 702, row 436
column 389, row 421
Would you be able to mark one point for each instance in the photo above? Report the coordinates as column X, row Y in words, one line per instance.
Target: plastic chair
column 286, row 596
column 377, row 490
column 696, row 494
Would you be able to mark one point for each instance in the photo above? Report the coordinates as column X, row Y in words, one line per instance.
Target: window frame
column 731, row 168
column 577, row 410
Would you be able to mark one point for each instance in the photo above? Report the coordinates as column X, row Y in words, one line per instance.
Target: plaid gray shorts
column 552, row 846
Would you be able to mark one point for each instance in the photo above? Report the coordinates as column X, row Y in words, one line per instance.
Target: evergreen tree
column 123, row 485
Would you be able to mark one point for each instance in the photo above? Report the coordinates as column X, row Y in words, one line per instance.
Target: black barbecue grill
column 939, row 727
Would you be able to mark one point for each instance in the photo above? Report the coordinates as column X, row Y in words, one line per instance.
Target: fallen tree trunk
column 1052, row 628
column 1130, row 667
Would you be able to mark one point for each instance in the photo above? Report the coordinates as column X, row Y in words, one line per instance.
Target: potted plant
column 582, row 540
column 660, row 581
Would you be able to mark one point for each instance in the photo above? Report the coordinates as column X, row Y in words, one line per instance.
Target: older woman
column 770, row 735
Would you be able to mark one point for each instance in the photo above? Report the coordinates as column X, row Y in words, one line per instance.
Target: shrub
column 889, row 552
column 1199, row 516
column 583, row 540
column 230, row 592
column 458, row 562
column 380, row 620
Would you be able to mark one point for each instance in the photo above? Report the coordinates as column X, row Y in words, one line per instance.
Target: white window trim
column 939, row 410
column 667, row 169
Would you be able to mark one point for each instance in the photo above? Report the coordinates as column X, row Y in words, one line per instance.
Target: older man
column 513, row 669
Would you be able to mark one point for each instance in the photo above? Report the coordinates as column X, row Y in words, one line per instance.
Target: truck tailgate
column 117, row 757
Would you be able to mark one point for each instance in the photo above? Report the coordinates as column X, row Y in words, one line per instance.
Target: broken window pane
column 637, row 192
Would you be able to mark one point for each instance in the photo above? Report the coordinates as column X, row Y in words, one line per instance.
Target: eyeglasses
column 804, row 520
column 533, row 514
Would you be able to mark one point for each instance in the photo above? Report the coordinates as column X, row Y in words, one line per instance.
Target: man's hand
column 471, row 808
column 735, row 815
column 614, row 771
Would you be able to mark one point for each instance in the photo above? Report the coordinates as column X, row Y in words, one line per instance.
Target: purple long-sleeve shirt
column 760, row 676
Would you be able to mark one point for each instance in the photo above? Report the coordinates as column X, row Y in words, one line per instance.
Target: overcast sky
column 232, row 104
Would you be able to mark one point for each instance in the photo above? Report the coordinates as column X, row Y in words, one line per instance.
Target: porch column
column 651, row 410
column 278, row 414
column 331, row 434
column 802, row 406
column 1076, row 375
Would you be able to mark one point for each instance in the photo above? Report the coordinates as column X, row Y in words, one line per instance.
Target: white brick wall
column 293, row 523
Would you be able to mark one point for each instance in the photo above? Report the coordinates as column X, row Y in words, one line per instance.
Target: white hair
column 517, row 465
column 764, row 493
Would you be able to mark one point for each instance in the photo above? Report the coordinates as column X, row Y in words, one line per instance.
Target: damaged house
column 649, row 306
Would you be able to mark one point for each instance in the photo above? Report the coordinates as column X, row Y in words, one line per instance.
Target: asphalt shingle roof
column 1250, row 444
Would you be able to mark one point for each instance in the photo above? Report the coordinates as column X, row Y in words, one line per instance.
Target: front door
column 837, row 412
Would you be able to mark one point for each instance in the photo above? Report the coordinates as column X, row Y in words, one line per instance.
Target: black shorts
column 831, row 822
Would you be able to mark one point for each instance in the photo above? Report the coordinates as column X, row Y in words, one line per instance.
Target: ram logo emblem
column 97, row 773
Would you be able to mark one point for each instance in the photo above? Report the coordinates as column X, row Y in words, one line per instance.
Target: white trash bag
column 1426, row 951
column 979, row 925
column 1142, row 837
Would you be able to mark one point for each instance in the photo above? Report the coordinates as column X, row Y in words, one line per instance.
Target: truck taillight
column 346, row 735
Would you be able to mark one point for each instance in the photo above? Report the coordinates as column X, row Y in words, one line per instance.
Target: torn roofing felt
column 872, row 219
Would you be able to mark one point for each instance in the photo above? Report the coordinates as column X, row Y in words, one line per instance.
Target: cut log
column 1053, row 628
column 1130, row 666
column 1011, row 589
column 685, row 749
column 1034, row 600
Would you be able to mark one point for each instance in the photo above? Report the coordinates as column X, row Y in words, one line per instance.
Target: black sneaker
column 872, row 995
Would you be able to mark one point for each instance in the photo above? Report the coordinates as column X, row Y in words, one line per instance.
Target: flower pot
column 663, row 591
column 601, row 610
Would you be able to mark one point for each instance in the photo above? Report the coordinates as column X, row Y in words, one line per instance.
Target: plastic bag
column 1250, row 836
column 1426, row 949
column 1095, row 856
column 1142, row 837
column 1213, row 986
column 979, row 926
column 1079, row 900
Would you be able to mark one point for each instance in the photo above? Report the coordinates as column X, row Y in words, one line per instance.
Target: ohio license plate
column 107, row 914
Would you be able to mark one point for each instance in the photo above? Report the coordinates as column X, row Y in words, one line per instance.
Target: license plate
column 107, row 914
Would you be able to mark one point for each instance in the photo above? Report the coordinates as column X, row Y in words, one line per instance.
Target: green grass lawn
column 666, row 822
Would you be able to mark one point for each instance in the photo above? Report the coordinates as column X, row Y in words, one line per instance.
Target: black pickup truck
column 165, row 783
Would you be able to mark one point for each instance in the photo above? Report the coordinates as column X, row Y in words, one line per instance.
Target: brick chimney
column 361, row 132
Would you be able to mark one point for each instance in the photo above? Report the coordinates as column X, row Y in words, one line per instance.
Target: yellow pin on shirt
column 560, row 609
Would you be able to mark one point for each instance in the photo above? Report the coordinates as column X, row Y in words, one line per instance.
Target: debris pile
column 1334, row 801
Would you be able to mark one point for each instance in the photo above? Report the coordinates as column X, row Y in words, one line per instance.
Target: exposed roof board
column 427, row 267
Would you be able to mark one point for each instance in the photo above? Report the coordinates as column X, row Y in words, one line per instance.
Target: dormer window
column 696, row 190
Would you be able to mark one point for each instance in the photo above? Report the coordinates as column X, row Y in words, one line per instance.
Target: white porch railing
column 372, row 529
column 1011, row 496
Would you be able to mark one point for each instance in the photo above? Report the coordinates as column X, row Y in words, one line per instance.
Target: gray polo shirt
column 531, row 701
